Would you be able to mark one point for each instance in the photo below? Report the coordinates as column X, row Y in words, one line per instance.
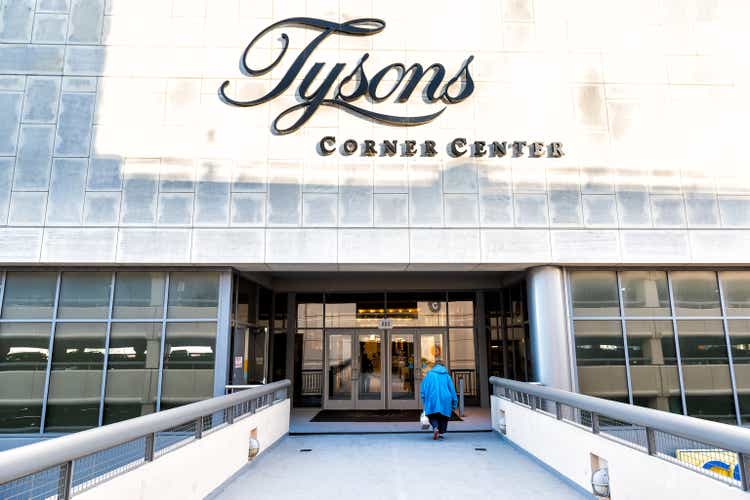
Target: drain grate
column 480, row 449
column 305, row 450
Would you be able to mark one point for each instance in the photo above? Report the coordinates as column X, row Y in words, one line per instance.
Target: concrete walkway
column 395, row 466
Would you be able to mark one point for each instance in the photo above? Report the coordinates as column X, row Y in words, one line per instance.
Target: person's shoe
column 441, row 436
column 435, row 435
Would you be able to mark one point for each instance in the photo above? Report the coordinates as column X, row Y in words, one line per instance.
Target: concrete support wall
column 571, row 450
column 198, row 468
column 548, row 324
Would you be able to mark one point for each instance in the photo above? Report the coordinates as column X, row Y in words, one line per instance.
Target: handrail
column 33, row 458
column 725, row 436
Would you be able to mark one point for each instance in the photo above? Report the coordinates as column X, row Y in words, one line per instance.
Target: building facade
column 195, row 193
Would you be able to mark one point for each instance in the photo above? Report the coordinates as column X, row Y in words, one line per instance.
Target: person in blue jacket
column 438, row 398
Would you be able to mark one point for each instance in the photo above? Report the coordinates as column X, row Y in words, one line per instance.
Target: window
column 74, row 368
column 595, row 293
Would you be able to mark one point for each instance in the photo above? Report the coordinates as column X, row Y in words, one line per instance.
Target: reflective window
column 132, row 371
column 461, row 309
column 462, row 362
column 76, row 378
column 653, row 365
column 310, row 311
column 189, row 356
column 645, row 293
column 29, row 295
column 736, row 285
column 417, row 309
column 696, row 293
column 705, row 369
column 600, row 355
column 595, row 293
column 84, row 295
column 193, row 295
column 24, row 348
column 139, row 295
column 358, row 310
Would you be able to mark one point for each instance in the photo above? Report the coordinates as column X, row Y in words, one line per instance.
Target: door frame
column 417, row 334
column 354, row 402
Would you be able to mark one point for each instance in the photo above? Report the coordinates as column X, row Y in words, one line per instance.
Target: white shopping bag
column 424, row 421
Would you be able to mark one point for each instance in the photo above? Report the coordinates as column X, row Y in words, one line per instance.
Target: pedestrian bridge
column 543, row 443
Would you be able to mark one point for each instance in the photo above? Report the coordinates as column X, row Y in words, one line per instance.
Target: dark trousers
column 439, row 421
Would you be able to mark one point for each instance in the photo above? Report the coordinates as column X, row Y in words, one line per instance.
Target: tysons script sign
column 453, row 91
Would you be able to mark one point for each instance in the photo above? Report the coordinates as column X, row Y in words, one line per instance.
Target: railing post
column 743, row 461
column 199, row 428
column 651, row 441
column 230, row 415
column 65, row 485
column 148, row 453
column 595, row 423
column 461, row 397
column 558, row 410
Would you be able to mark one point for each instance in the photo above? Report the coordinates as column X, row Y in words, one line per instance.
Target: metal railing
column 717, row 450
column 65, row 466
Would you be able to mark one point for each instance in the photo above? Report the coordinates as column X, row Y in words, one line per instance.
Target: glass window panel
column 309, row 345
column 594, row 293
column 739, row 337
column 645, row 293
column 29, row 295
column 76, row 378
column 600, row 357
column 354, row 310
column 696, row 293
column 24, row 348
column 736, row 286
column 339, row 367
column 417, row 309
column 139, row 295
column 653, row 365
column 193, row 295
column 265, row 304
column 189, row 356
column 705, row 370
column 84, row 295
column 310, row 310
column 281, row 311
column 402, row 367
column 247, row 301
column 461, row 349
column 132, row 371
column 461, row 309
column 370, row 367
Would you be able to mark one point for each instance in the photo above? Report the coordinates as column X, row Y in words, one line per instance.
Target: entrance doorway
column 378, row 369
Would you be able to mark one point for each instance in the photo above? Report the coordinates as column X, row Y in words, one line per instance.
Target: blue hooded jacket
column 438, row 393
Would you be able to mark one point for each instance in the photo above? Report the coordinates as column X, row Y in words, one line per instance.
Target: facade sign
column 455, row 90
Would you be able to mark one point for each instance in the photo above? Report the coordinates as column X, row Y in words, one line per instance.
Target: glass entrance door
column 412, row 354
column 354, row 367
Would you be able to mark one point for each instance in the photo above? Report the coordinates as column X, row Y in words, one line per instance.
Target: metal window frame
column 673, row 317
column 730, row 356
column 108, row 321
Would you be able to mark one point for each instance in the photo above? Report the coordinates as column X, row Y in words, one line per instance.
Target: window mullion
column 50, row 353
column 672, row 309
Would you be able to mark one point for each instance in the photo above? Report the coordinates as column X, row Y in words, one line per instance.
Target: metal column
column 548, row 327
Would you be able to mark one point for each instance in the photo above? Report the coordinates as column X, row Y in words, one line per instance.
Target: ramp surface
column 396, row 466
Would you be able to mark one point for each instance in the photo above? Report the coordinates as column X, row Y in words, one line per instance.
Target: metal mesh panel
column 41, row 485
column 106, row 464
column 623, row 432
column 714, row 462
column 173, row 438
